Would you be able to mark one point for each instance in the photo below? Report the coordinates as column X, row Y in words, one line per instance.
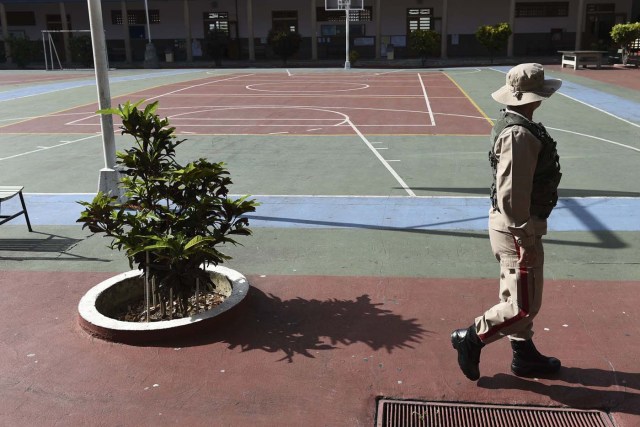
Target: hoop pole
column 347, row 64
column 108, row 182
column 146, row 9
column 44, row 49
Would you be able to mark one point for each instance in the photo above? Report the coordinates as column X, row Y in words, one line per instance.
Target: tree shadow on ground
column 299, row 326
column 620, row 399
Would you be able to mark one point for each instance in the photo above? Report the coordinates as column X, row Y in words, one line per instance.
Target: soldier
column 526, row 174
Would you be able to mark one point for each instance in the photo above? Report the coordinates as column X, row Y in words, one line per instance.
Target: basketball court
column 373, row 186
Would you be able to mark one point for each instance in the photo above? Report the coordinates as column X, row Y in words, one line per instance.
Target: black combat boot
column 527, row 360
column 468, row 344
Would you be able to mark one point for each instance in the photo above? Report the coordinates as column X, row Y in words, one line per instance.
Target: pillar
column 445, row 32
column 579, row 25
column 314, row 31
column 378, row 16
column 125, row 29
column 512, row 24
column 252, row 50
column 187, row 26
column 65, row 35
column 5, row 33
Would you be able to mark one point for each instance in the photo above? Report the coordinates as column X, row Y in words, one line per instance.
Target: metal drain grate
column 402, row 413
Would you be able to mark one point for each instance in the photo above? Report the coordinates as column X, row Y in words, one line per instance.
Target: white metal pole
column 146, row 9
column 347, row 64
column 108, row 182
column 44, row 48
column 150, row 55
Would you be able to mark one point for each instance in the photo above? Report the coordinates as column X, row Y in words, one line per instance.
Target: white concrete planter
column 99, row 325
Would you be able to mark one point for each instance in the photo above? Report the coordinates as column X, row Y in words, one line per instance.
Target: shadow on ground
column 298, row 327
column 42, row 247
column 619, row 399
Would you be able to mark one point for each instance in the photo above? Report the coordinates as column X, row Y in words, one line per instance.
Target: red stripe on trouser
column 522, row 284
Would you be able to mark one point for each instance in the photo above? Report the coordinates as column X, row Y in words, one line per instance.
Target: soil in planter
column 137, row 313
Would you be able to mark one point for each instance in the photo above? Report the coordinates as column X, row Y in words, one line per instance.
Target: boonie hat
column 525, row 84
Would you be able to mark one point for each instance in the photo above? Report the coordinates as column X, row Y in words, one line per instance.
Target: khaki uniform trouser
column 520, row 292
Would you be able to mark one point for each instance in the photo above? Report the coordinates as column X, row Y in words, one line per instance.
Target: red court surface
column 246, row 103
column 309, row 350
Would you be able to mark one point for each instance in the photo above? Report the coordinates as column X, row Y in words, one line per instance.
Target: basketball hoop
column 347, row 6
column 343, row 4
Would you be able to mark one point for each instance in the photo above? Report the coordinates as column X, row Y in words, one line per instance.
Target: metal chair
column 6, row 193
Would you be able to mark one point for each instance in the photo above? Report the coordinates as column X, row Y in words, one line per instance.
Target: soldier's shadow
column 592, row 388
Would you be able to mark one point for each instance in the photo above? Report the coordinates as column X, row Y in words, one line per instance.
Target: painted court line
column 49, row 148
column 619, row 108
column 587, row 214
column 426, row 98
column 34, row 90
column 382, row 160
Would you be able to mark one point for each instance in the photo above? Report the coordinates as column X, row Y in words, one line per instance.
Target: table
column 577, row 58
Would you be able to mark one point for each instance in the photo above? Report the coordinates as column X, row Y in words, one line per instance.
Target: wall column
column 579, row 25
column 252, row 49
column 65, row 35
column 5, row 33
column 445, row 31
column 125, row 29
column 512, row 24
column 314, row 31
column 378, row 13
column 187, row 26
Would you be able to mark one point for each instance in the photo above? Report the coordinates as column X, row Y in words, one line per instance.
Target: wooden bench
column 577, row 58
column 7, row 193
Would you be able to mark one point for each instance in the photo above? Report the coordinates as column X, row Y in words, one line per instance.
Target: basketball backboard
column 343, row 4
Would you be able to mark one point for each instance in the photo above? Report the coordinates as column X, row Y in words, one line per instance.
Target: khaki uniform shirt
column 517, row 151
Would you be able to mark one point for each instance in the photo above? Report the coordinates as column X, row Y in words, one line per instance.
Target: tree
column 493, row 37
column 284, row 43
column 215, row 43
column 81, row 50
column 424, row 43
column 624, row 35
column 22, row 50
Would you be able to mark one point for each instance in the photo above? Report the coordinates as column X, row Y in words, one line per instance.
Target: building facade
column 188, row 29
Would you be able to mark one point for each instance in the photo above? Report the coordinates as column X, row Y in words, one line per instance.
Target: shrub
column 81, row 50
column 493, row 37
column 623, row 35
column 424, row 43
column 22, row 50
column 176, row 214
column 284, row 43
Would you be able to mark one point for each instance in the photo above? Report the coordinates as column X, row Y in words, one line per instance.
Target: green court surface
column 281, row 133
column 370, row 246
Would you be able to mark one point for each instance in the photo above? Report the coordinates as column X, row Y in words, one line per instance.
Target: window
column 601, row 8
column 20, row 19
column 340, row 30
column 542, row 9
column 136, row 17
column 364, row 15
column 419, row 19
column 286, row 20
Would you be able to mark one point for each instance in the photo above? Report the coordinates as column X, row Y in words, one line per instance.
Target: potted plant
column 173, row 218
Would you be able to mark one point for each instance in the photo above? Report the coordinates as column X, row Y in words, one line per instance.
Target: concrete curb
column 106, row 328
